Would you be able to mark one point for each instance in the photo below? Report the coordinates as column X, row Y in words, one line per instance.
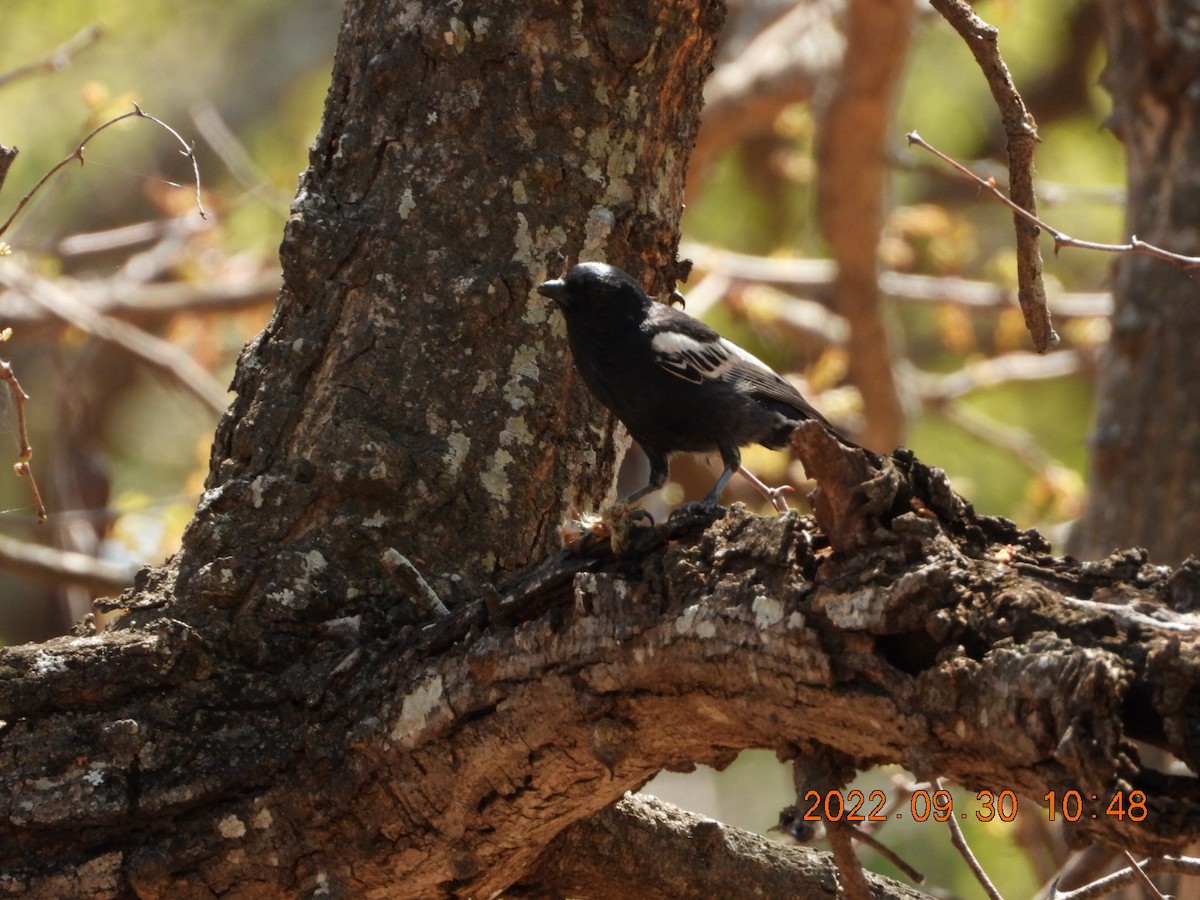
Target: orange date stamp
column 989, row 806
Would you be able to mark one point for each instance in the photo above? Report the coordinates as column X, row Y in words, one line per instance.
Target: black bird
column 674, row 382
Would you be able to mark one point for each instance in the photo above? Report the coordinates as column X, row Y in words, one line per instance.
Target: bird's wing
column 695, row 354
column 689, row 349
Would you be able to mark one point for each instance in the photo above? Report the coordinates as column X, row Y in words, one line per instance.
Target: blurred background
column 128, row 310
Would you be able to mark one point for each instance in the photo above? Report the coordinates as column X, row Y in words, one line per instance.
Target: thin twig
column 162, row 355
column 77, row 153
column 189, row 150
column 959, row 840
column 816, row 275
column 58, row 58
column 850, row 871
column 824, row 771
column 1180, row 865
column 146, row 304
column 1061, row 239
column 1140, row 876
column 1003, row 369
column 48, row 564
column 21, row 467
column 1020, row 132
column 887, row 853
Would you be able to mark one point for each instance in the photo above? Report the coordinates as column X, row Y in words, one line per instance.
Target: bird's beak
column 555, row 290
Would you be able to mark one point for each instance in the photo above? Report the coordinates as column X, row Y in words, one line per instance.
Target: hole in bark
column 911, row 653
column 1141, row 719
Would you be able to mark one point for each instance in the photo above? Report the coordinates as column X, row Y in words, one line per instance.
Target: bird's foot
column 778, row 497
column 620, row 520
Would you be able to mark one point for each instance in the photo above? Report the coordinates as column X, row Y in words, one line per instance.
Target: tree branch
column 1020, row 132
column 157, row 353
column 949, row 642
column 676, row 853
column 63, row 566
column 56, row 60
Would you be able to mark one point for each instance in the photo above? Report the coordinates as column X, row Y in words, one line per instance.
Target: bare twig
column 1021, row 137
column 406, row 575
column 77, row 153
column 21, row 467
column 850, row 871
column 1181, row 865
column 64, row 566
column 959, row 840
column 189, row 150
column 160, row 354
column 826, row 771
column 147, row 304
column 817, row 275
column 57, row 59
column 1140, row 876
column 887, row 853
column 1001, row 369
column 1061, row 239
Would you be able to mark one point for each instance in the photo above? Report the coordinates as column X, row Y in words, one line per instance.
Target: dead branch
column 77, row 154
column 1061, row 239
column 817, row 275
column 155, row 352
column 55, row 566
column 1180, row 865
column 676, row 853
column 959, row 840
column 1021, row 137
column 925, row 635
column 19, row 398
column 56, row 60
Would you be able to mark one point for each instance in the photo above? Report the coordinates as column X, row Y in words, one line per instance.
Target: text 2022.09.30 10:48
column 989, row 806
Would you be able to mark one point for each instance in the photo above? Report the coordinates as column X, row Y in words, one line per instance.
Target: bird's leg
column 658, row 475
column 777, row 496
column 712, row 499
column 732, row 457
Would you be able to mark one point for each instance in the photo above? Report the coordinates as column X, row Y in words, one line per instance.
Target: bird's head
column 593, row 288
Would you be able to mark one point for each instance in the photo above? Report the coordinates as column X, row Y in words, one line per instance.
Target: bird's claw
column 635, row 514
column 778, row 497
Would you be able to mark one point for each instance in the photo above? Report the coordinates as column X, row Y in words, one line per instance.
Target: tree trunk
column 322, row 695
column 1144, row 488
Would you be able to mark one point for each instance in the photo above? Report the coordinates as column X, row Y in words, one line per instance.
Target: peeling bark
column 443, row 759
column 285, row 711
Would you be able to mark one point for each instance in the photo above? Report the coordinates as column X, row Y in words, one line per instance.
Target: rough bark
column 407, row 428
column 1146, row 441
column 288, row 711
column 442, row 759
column 678, row 854
column 411, row 386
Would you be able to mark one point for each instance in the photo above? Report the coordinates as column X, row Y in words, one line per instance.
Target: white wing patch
column 693, row 360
